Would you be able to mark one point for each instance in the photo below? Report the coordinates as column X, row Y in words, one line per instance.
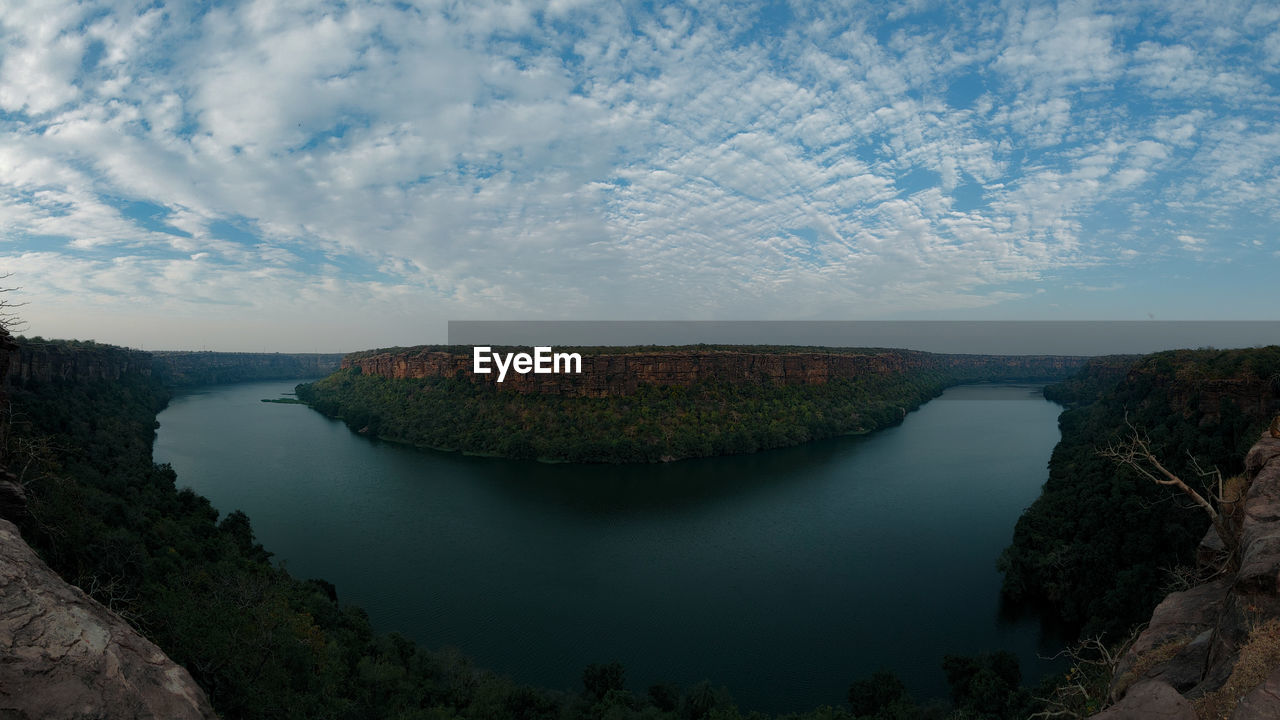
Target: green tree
column 598, row 680
column 871, row 695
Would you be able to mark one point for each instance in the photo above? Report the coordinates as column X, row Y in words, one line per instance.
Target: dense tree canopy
column 655, row 423
column 1096, row 546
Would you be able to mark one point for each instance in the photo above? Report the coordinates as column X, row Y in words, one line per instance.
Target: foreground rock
column 63, row 655
column 1150, row 700
column 1216, row 647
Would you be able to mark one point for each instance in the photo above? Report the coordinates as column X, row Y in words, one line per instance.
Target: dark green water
column 782, row 575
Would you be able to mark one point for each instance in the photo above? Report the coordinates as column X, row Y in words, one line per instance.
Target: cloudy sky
column 331, row 176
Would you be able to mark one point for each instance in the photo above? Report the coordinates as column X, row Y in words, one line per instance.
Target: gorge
column 820, row 562
column 107, row 513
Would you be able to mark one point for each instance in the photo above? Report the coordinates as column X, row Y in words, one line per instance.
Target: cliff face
column 83, row 361
column 1213, row 651
column 44, row 362
column 610, row 374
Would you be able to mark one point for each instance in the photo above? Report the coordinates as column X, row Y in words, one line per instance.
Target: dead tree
column 1135, row 452
column 9, row 320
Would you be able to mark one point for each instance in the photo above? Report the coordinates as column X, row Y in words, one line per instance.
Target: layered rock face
column 607, row 374
column 1214, row 650
column 49, row 361
column 63, row 655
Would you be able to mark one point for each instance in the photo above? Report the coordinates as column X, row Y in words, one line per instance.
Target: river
column 783, row 575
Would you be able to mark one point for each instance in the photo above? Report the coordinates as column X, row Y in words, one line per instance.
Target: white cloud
column 1192, row 243
column 494, row 159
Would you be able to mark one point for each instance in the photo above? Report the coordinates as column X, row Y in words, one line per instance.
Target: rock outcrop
column 1150, row 700
column 35, row 360
column 613, row 373
column 1216, row 646
column 63, row 655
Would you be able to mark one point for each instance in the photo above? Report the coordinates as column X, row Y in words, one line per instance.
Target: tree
column 9, row 320
column 598, row 680
column 1135, row 452
column 13, row 498
column 1085, row 689
column 987, row 685
column 869, row 696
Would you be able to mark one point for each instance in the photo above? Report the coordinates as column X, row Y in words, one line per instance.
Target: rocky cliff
column 621, row 373
column 45, row 361
column 62, row 654
column 38, row 360
column 1213, row 651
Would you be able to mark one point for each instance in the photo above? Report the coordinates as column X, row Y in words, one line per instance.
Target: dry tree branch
column 1086, row 687
column 1135, row 453
column 9, row 320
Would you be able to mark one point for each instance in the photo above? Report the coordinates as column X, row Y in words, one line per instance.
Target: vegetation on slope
column 1096, row 547
column 189, row 369
column 653, row 424
column 46, row 358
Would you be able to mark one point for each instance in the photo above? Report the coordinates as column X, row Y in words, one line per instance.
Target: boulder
column 1150, row 700
column 1185, row 618
column 64, row 655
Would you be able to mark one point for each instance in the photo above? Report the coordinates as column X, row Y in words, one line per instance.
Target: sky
column 311, row 176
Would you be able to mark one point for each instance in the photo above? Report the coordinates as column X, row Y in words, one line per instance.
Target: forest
column 1101, row 546
column 656, row 423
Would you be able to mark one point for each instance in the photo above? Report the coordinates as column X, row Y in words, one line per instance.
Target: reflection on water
column 783, row 575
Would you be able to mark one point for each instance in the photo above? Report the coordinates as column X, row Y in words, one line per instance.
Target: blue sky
column 333, row 176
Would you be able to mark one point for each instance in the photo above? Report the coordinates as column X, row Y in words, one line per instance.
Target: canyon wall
column 620, row 373
column 211, row 368
column 73, row 360
column 41, row 361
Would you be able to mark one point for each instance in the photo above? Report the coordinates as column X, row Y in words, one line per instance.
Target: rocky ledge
column 1213, row 651
column 64, row 655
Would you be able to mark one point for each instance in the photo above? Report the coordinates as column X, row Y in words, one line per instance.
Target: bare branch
column 1135, row 453
column 9, row 320
column 1086, row 687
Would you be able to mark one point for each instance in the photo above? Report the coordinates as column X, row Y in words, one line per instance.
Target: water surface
column 782, row 575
